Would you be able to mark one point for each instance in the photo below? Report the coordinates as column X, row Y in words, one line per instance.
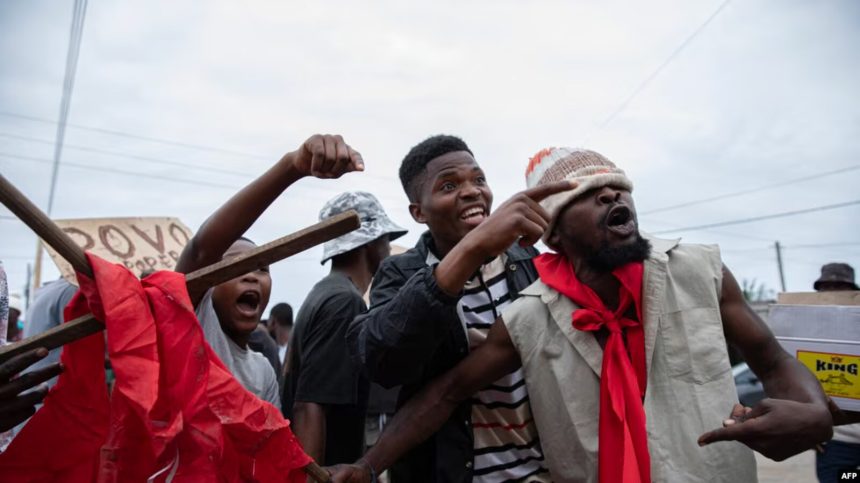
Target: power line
column 621, row 107
column 745, row 250
column 314, row 189
column 823, row 245
column 753, row 190
column 791, row 247
column 130, row 156
column 166, row 162
column 761, row 218
column 129, row 135
column 121, row 171
column 715, row 232
column 75, row 36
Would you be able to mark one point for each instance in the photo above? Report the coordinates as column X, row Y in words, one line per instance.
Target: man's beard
column 608, row 258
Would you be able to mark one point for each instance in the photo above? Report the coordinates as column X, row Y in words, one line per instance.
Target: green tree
column 756, row 292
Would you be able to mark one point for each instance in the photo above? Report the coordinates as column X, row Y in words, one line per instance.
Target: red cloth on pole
column 175, row 414
column 622, row 438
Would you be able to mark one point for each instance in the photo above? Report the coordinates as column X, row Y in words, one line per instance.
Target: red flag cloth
column 175, row 413
column 622, row 438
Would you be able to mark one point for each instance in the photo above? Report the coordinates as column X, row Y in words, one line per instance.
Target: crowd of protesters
column 603, row 359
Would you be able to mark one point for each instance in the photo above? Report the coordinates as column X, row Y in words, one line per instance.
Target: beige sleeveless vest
column 690, row 385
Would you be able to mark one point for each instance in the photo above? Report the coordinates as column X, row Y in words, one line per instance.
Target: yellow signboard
column 837, row 373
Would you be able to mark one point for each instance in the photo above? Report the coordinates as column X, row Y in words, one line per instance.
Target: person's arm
column 321, row 156
column 425, row 413
column 795, row 416
column 308, row 425
column 399, row 335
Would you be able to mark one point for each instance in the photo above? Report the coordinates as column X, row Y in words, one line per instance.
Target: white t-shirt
column 849, row 433
column 249, row 367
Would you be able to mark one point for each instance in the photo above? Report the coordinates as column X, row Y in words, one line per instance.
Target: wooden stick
column 39, row 222
column 199, row 281
column 316, row 472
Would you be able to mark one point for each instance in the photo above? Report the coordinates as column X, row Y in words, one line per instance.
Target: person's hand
column 519, row 218
column 326, row 156
column 841, row 416
column 776, row 428
column 16, row 407
column 355, row 473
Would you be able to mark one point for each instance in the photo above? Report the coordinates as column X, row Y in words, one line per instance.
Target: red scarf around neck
column 622, row 439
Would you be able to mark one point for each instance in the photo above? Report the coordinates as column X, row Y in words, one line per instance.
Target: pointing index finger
column 539, row 193
column 733, row 432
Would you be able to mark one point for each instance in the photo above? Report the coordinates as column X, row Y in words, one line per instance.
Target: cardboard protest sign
column 141, row 244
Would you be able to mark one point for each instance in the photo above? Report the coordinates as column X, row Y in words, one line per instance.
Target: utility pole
column 779, row 264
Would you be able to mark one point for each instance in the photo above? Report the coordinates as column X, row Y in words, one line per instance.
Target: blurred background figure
column 46, row 312
column 843, row 451
column 835, row 277
column 261, row 341
column 15, row 329
column 281, row 326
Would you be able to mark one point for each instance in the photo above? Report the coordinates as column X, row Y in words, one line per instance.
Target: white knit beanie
column 592, row 170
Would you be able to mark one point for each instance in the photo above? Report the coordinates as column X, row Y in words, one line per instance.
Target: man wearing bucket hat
column 328, row 391
column 622, row 344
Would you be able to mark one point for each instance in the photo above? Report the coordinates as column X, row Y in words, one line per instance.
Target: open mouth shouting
column 474, row 215
column 248, row 303
column 620, row 221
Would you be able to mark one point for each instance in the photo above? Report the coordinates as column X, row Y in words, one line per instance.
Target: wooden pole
column 37, row 278
column 316, row 472
column 199, row 281
column 39, row 222
column 779, row 265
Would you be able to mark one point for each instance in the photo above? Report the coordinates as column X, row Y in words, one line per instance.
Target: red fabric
column 175, row 410
column 622, row 438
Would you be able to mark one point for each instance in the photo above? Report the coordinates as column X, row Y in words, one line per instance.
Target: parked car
column 750, row 389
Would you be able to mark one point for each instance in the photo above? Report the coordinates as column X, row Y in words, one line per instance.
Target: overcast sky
column 766, row 93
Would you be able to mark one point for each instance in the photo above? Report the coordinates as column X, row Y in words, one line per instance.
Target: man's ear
column 417, row 214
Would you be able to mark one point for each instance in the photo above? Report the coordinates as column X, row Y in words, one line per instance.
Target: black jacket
column 410, row 335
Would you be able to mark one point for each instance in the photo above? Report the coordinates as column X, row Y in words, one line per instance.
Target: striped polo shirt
column 507, row 448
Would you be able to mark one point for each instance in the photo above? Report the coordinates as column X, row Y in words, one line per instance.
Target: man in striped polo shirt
column 431, row 305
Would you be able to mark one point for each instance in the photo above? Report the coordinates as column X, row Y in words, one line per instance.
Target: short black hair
column 414, row 165
column 282, row 313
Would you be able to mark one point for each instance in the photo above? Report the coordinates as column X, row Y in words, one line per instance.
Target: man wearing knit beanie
column 622, row 343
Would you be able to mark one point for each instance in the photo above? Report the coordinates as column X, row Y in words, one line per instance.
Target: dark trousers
column 837, row 455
